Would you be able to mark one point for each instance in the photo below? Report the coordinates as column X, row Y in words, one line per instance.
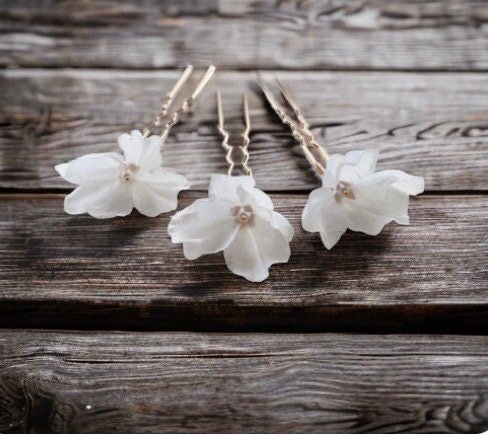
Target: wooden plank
column 434, row 125
column 71, row 382
column 345, row 34
column 78, row 272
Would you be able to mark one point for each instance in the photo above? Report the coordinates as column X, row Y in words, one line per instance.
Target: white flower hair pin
column 352, row 195
column 112, row 184
column 236, row 218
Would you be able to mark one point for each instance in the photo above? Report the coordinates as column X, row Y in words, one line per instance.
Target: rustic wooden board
column 434, row 125
column 377, row 34
column 416, row 89
column 79, row 272
column 184, row 382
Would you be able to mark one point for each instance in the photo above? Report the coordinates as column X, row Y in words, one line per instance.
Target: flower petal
column 151, row 158
column 254, row 197
column 143, row 152
column 91, row 167
column 361, row 220
column 383, row 200
column 386, row 194
column 411, row 185
column 357, row 164
column 364, row 161
column 280, row 223
column 333, row 223
column 157, row 192
column 206, row 226
column 255, row 248
column 330, row 179
column 132, row 144
column 226, row 188
column 101, row 200
column 312, row 212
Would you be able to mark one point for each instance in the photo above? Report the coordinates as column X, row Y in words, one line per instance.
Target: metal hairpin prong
column 225, row 136
column 299, row 126
column 188, row 104
column 203, row 82
column 302, row 122
column 279, row 109
column 170, row 96
column 293, row 104
column 245, row 136
column 185, row 107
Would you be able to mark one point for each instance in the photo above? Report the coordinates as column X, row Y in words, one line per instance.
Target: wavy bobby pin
column 236, row 218
column 244, row 147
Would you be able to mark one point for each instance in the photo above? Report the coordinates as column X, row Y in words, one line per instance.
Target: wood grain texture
column 416, row 90
column 79, row 272
column 184, row 382
column 354, row 34
column 434, row 125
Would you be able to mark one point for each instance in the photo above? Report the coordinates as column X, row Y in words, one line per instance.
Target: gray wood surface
column 186, row 382
column 434, row 125
column 342, row 34
column 71, row 271
column 407, row 77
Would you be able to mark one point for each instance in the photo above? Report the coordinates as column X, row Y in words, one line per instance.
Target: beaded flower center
column 344, row 189
column 128, row 171
column 243, row 214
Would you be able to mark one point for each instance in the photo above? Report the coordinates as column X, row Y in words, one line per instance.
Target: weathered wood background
column 333, row 341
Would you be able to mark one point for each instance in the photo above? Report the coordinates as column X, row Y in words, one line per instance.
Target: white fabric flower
column 239, row 220
column 110, row 184
column 354, row 196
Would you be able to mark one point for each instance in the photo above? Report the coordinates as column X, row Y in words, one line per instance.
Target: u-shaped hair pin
column 236, row 218
column 298, row 125
column 187, row 105
column 112, row 184
column 352, row 195
column 244, row 147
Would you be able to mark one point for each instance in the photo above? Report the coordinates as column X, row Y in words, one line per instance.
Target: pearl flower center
column 129, row 171
column 344, row 189
column 243, row 214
